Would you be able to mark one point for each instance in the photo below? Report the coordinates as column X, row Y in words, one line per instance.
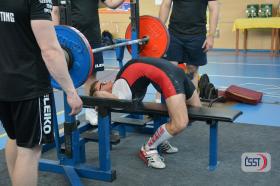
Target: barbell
column 153, row 42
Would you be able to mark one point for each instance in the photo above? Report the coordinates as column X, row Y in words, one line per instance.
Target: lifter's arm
column 55, row 61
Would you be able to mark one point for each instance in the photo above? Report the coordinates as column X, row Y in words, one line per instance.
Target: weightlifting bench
column 210, row 115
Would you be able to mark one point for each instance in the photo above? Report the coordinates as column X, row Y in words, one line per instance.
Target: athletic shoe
column 91, row 116
column 167, row 148
column 151, row 158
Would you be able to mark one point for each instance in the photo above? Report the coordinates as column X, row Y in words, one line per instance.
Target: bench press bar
column 142, row 41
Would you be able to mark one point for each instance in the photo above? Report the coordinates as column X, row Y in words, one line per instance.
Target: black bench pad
column 136, row 107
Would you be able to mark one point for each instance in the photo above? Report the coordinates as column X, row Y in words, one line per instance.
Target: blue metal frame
column 73, row 166
column 104, row 141
column 213, row 145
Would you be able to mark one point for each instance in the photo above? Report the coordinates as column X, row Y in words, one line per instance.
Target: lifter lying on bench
column 130, row 87
column 177, row 89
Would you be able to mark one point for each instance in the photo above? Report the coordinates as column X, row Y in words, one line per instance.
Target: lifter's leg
column 178, row 121
column 194, row 100
column 178, row 114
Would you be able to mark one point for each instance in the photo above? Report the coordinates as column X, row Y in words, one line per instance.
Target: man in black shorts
column 29, row 53
column 177, row 89
column 187, row 28
column 85, row 18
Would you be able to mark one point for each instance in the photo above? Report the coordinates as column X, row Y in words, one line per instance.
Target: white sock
column 158, row 100
column 159, row 136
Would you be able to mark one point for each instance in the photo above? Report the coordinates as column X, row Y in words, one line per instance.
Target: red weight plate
column 158, row 36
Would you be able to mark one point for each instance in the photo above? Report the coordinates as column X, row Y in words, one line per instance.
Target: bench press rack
column 212, row 116
column 72, row 161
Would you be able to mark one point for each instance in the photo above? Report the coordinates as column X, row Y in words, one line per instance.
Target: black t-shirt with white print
column 23, row 74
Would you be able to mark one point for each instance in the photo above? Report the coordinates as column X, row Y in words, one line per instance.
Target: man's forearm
column 164, row 12
column 56, row 15
column 56, row 63
column 52, row 53
column 213, row 18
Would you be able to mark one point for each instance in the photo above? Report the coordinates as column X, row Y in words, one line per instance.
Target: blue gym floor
column 254, row 71
column 257, row 71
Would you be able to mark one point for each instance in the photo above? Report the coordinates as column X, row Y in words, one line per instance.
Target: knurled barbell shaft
column 109, row 47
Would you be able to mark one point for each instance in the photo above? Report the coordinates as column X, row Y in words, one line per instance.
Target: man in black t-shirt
column 187, row 26
column 29, row 53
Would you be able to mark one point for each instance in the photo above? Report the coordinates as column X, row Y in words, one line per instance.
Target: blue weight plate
column 81, row 53
column 89, row 48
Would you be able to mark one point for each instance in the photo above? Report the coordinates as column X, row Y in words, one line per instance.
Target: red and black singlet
column 165, row 77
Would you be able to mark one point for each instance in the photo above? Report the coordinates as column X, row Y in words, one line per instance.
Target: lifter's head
column 100, row 86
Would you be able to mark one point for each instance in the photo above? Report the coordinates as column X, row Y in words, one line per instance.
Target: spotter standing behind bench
column 178, row 90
